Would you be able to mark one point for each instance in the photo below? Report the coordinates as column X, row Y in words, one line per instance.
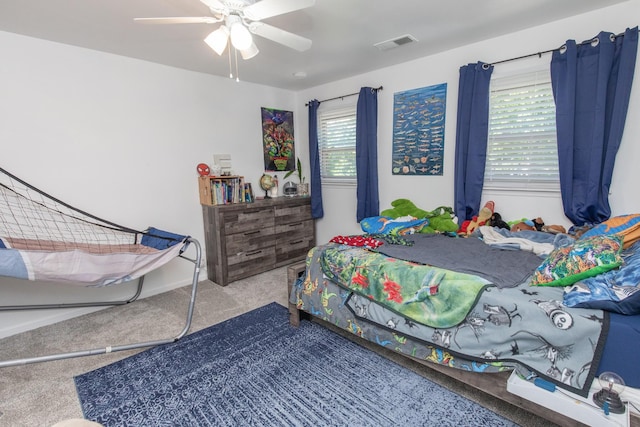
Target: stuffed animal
column 469, row 226
column 497, row 221
column 538, row 223
column 441, row 219
column 404, row 207
column 526, row 224
column 554, row 229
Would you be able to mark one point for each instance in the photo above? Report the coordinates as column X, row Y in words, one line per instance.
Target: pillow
column 585, row 258
column 616, row 290
column 397, row 227
column 627, row 226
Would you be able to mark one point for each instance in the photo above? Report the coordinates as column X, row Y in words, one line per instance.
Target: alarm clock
column 290, row 189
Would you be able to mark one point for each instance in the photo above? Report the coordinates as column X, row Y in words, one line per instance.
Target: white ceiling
column 343, row 32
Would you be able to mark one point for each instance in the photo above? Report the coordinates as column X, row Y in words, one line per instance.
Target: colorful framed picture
column 418, row 130
column 277, row 140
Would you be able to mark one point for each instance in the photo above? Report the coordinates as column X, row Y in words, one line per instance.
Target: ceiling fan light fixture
column 218, row 39
column 240, row 36
column 250, row 52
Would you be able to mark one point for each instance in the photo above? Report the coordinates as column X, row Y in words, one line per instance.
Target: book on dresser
column 244, row 239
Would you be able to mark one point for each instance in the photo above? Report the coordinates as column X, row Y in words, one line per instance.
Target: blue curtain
column 367, row 153
column 314, row 161
column 591, row 86
column 471, row 138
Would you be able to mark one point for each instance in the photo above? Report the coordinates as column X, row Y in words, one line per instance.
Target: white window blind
column 521, row 150
column 337, row 144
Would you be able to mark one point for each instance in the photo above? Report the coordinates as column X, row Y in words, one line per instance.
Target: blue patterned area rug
column 257, row 370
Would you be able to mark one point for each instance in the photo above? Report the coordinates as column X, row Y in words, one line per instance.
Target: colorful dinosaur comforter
column 428, row 295
column 497, row 328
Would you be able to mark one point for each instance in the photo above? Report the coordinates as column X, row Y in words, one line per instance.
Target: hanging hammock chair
column 44, row 239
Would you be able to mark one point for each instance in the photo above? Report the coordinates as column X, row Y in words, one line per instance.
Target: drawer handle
column 296, row 242
column 253, row 253
column 295, row 225
column 248, row 233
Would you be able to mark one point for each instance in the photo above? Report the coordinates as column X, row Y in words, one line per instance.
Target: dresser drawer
column 293, row 241
column 297, row 228
column 287, row 214
column 295, row 250
column 248, row 263
column 249, row 240
column 247, row 219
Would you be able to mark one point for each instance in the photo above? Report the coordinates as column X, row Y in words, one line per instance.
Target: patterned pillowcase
column 627, row 226
column 587, row 257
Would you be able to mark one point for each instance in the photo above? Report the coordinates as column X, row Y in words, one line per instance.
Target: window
column 337, row 144
column 521, row 150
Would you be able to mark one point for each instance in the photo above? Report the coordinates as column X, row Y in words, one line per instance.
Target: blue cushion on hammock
column 160, row 239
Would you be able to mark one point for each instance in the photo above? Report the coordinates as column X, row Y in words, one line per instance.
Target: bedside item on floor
column 609, row 397
column 203, row 169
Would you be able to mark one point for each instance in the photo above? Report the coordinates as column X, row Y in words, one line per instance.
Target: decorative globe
column 266, row 183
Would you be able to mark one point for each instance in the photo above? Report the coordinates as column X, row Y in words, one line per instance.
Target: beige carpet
column 44, row 394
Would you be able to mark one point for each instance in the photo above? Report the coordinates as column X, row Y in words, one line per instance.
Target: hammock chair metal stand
column 16, row 194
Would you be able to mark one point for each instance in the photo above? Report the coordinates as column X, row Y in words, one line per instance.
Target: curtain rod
column 343, row 96
column 539, row 54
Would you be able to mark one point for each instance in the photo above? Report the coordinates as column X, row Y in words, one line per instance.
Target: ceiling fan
column 241, row 18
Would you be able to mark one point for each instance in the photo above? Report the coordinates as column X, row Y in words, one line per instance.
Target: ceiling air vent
column 398, row 41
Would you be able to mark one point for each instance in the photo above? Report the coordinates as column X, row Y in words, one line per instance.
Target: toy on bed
column 440, row 219
column 44, row 239
column 469, row 226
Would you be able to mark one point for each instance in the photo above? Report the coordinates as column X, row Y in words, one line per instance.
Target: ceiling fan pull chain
column 237, row 71
column 230, row 70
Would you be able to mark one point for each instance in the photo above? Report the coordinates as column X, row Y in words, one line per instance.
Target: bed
column 46, row 240
column 467, row 307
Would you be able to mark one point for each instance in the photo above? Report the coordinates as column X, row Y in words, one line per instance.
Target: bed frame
column 196, row 260
column 493, row 384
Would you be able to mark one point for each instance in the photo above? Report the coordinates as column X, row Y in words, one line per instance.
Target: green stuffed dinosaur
column 404, row 207
column 440, row 219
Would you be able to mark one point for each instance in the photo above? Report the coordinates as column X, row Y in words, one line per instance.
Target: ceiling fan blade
column 179, row 20
column 216, row 5
column 268, row 8
column 286, row 38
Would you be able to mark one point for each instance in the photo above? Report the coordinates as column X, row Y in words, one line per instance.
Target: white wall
column 429, row 192
column 120, row 138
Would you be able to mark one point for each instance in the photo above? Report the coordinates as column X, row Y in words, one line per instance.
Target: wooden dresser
column 244, row 239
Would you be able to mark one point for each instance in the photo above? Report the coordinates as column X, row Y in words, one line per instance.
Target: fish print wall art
column 418, row 130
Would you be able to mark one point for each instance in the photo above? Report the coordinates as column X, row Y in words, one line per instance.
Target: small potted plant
column 303, row 187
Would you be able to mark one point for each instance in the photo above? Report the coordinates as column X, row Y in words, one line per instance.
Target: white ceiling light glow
column 240, row 36
column 218, row 39
column 249, row 52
